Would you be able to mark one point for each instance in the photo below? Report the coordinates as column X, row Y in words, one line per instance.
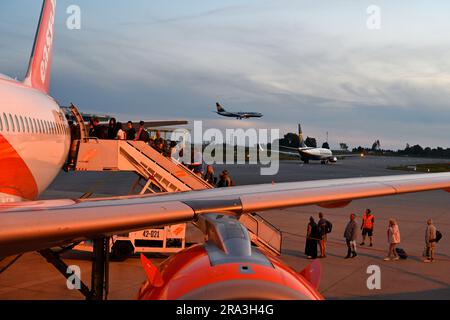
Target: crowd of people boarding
column 117, row 131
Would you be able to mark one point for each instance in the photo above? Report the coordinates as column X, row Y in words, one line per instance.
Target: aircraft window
column 17, row 123
column 1, row 124
column 6, row 121
column 27, row 125
column 36, row 129
column 23, row 125
column 31, row 125
column 47, row 130
column 41, row 126
column 13, row 128
column 54, row 128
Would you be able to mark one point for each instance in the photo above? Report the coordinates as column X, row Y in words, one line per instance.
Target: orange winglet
column 152, row 272
column 312, row 273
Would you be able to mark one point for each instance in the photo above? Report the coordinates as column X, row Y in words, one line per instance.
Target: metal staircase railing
column 263, row 233
column 158, row 173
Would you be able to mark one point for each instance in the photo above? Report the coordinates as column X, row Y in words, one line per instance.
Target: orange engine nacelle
column 199, row 273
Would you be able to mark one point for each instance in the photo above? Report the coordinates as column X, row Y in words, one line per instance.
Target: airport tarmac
column 31, row 277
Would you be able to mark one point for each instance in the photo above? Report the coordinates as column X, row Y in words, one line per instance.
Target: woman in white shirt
column 121, row 134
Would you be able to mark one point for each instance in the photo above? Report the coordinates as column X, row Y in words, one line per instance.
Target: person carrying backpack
column 431, row 238
column 324, row 227
column 142, row 134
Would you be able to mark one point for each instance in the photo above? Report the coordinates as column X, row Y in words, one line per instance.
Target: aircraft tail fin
column 300, row 136
column 219, row 107
column 39, row 68
column 312, row 273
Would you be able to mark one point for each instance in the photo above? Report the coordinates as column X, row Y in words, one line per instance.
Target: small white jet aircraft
column 238, row 115
column 311, row 153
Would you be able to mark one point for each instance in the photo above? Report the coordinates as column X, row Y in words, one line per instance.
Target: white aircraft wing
column 37, row 225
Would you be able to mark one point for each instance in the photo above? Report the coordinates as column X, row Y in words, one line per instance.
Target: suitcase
column 401, row 253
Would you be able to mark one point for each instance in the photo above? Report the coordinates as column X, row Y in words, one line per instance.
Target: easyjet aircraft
column 34, row 142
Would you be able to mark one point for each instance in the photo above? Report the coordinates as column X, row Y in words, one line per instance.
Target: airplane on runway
column 238, row 115
column 312, row 153
column 34, row 143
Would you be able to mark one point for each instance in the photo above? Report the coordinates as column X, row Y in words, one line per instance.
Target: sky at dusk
column 313, row 62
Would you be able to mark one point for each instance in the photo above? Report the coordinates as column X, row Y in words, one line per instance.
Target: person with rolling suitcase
column 393, row 235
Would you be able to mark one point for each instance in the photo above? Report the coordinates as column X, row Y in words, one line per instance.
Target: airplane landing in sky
column 238, row 115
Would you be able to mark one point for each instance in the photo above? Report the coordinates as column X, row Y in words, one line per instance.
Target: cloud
column 294, row 61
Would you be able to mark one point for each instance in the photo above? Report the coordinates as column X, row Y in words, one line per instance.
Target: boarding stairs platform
column 156, row 173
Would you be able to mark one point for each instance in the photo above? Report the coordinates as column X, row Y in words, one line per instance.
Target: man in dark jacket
column 131, row 132
column 99, row 131
column 350, row 234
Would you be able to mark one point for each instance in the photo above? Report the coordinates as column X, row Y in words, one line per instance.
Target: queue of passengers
column 116, row 131
column 317, row 235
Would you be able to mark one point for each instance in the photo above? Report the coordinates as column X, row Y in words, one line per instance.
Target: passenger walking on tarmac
column 324, row 227
column 209, row 175
column 121, row 134
column 131, row 132
column 393, row 236
column 350, row 235
column 430, row 241
column 312, row 235
column 367, row 227
column 224, row 180
column 112, row 129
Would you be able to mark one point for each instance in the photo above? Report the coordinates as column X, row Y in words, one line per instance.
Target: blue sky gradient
column 305, row 61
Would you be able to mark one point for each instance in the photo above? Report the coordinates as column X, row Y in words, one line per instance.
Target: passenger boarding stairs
column 158, row 173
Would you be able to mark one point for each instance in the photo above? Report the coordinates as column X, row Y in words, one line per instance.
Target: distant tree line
column 292, row 140
column 415, row 151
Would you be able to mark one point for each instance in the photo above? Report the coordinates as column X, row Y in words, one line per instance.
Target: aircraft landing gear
column 100, row 269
